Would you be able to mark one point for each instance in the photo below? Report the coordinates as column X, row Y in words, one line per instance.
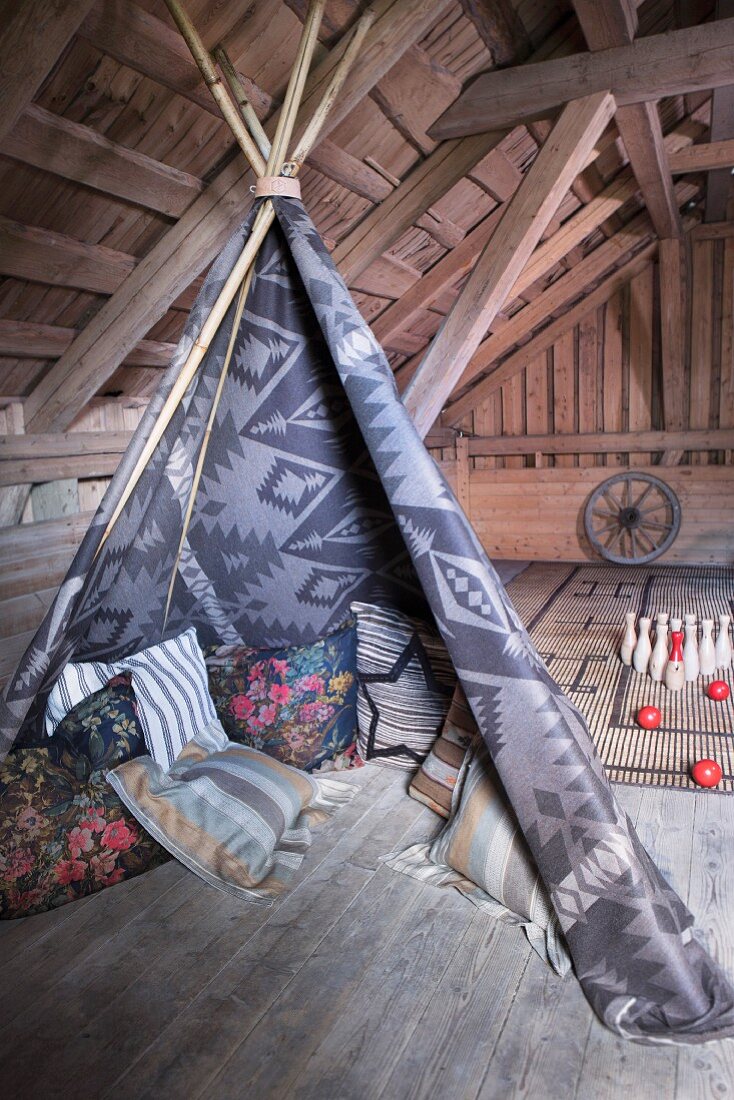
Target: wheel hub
column 629, row 518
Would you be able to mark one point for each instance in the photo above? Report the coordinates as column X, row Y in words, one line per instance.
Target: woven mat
column 575, row 616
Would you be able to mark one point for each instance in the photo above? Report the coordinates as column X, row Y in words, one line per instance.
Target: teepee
column 276, row 478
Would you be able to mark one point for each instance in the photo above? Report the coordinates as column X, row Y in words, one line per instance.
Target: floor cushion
column 435, row 783
column 483, row 854
column 406, row 681
column 297, row 703
column 238, row 818
column 170, row 685
column 64, row 833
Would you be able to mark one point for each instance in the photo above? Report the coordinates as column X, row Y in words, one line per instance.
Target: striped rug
column 575, row 616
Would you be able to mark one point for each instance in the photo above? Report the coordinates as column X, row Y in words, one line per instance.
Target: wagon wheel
column 632, row 519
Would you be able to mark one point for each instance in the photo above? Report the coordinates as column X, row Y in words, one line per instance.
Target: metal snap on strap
column 278, row 185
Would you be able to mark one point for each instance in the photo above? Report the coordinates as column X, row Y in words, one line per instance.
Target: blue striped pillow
column 171, row 689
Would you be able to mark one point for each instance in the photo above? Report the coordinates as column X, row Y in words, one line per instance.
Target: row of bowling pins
column 680, row 661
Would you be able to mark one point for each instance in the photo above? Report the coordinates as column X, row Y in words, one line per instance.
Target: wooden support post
column 718, row 184
column 673, row 311
column 614, row 24
column 463, row 493
column 527, row 215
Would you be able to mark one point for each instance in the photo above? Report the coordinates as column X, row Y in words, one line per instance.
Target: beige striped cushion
column 483, row 853
column 239, row 819
column 435, row 783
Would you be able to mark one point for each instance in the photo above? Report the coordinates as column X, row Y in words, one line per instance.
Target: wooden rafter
column 422, row 187
column 528, row 213
column 631, row 251
column 457, row 263
column 33, row 340
column 33, row 38
column 705, row 157
column 689, row 60
column 613, row 24
column 79, row 153
column 198, row 236
column 500, row 28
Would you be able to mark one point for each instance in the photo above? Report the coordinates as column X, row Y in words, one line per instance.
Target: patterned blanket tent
column 316, row 491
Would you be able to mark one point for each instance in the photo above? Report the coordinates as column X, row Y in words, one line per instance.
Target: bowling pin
column 706, row 652
column 643, row 649
column 629, row 641
column 659, row 658
column 675, row 675
column 690, row 650
column 722, row 649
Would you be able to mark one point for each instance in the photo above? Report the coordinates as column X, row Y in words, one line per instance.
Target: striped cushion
column 406, row 680
column 238, row 818
column 171, row 690
column 436, row 782
column 482, row 853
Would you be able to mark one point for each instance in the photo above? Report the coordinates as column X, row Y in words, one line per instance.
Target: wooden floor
column 360, row 983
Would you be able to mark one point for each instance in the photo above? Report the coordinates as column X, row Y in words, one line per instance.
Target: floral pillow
column 61, row 837
column 63, row 831
column 297, row 704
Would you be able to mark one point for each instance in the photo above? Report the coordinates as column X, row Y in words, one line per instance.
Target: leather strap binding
column 278, row 186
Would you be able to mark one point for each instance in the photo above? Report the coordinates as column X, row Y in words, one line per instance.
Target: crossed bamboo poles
column 265, row 159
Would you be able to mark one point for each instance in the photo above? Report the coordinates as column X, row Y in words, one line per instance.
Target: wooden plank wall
column 606, row 375
column 35, row 555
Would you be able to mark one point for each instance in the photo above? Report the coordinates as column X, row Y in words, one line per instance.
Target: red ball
column 649, row 717
column 718, row 690
column 707, row 773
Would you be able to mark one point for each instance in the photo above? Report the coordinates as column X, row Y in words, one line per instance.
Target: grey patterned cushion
column 483, row 854
column 406, row 681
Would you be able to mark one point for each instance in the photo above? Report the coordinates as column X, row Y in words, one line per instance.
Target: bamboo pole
column 221, row 97
column 296, row 84
column 261, row 225
column 240, row 97
column 244, row 290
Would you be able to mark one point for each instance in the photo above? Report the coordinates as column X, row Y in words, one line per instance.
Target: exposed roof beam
column 428, row 182
column 614, row 23
column 421, row 188
column 34, row 36
column 456, row 264
column 714, row 231
column 500, row 28
column 31, row 340
column 687, row 60
column 54, row 259
column 704, row 157
column 527, row 215
column 718, row 184
column 545, row 339
column 79, row 153
column 197, row 237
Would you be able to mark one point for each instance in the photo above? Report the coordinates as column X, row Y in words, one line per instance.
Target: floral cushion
column 62, row 838
column 297, row 704
column 102, row 731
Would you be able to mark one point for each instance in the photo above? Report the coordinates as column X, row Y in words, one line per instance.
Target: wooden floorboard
column 358, row 984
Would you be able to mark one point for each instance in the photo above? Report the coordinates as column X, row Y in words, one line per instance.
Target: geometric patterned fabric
column 316, row 492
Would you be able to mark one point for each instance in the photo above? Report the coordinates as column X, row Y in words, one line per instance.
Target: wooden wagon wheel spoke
column 620, row 529
column 643, row 496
